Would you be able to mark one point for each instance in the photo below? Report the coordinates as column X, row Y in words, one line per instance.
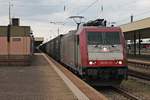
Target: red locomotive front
column 103, row 55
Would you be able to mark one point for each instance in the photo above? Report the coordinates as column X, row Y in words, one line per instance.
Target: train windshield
column 103, row 38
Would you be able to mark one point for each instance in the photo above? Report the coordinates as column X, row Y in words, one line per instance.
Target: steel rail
column 125, row 93
column 139, row 75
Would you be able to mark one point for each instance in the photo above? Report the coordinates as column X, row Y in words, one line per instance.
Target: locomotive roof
column 100, row 27
column 97, row 28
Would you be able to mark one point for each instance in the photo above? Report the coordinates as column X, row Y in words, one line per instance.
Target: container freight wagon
column 16, row 44
column 52, row 48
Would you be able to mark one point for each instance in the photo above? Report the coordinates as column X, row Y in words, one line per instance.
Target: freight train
column 95, row 52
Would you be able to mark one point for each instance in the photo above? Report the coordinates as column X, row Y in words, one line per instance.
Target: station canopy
column 141, row 27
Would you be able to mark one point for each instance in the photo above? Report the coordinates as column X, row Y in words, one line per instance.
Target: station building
column 16, row 42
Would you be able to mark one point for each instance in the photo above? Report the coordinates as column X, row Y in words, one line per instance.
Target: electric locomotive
column 95, row 52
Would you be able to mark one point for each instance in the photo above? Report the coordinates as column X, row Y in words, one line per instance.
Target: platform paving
column 38, row 81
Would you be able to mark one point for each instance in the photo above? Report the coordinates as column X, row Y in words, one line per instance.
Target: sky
column 40, row 13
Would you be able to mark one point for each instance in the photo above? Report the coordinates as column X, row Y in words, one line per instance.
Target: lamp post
column 58, row 30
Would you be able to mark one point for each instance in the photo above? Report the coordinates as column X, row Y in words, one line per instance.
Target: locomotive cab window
column 103, row 38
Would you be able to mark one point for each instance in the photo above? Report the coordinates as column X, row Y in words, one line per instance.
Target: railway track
column 139, row 63
column 139, row 69
column 140, row 75
column 117, row 93
column 125, row 93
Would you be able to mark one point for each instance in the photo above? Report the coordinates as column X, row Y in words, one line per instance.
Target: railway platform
column 42, row 80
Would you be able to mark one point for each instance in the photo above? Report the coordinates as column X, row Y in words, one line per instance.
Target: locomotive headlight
column 90, row 62
column 105, row 49
column 120, row 62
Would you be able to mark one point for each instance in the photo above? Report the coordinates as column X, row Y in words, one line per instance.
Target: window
column 104, row 38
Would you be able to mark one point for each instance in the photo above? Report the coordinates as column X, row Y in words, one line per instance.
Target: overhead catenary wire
column 124, row 19
column 135, row 16
column 84, row 10
column 100, row 12
column 97, row 1
column 87, row 7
